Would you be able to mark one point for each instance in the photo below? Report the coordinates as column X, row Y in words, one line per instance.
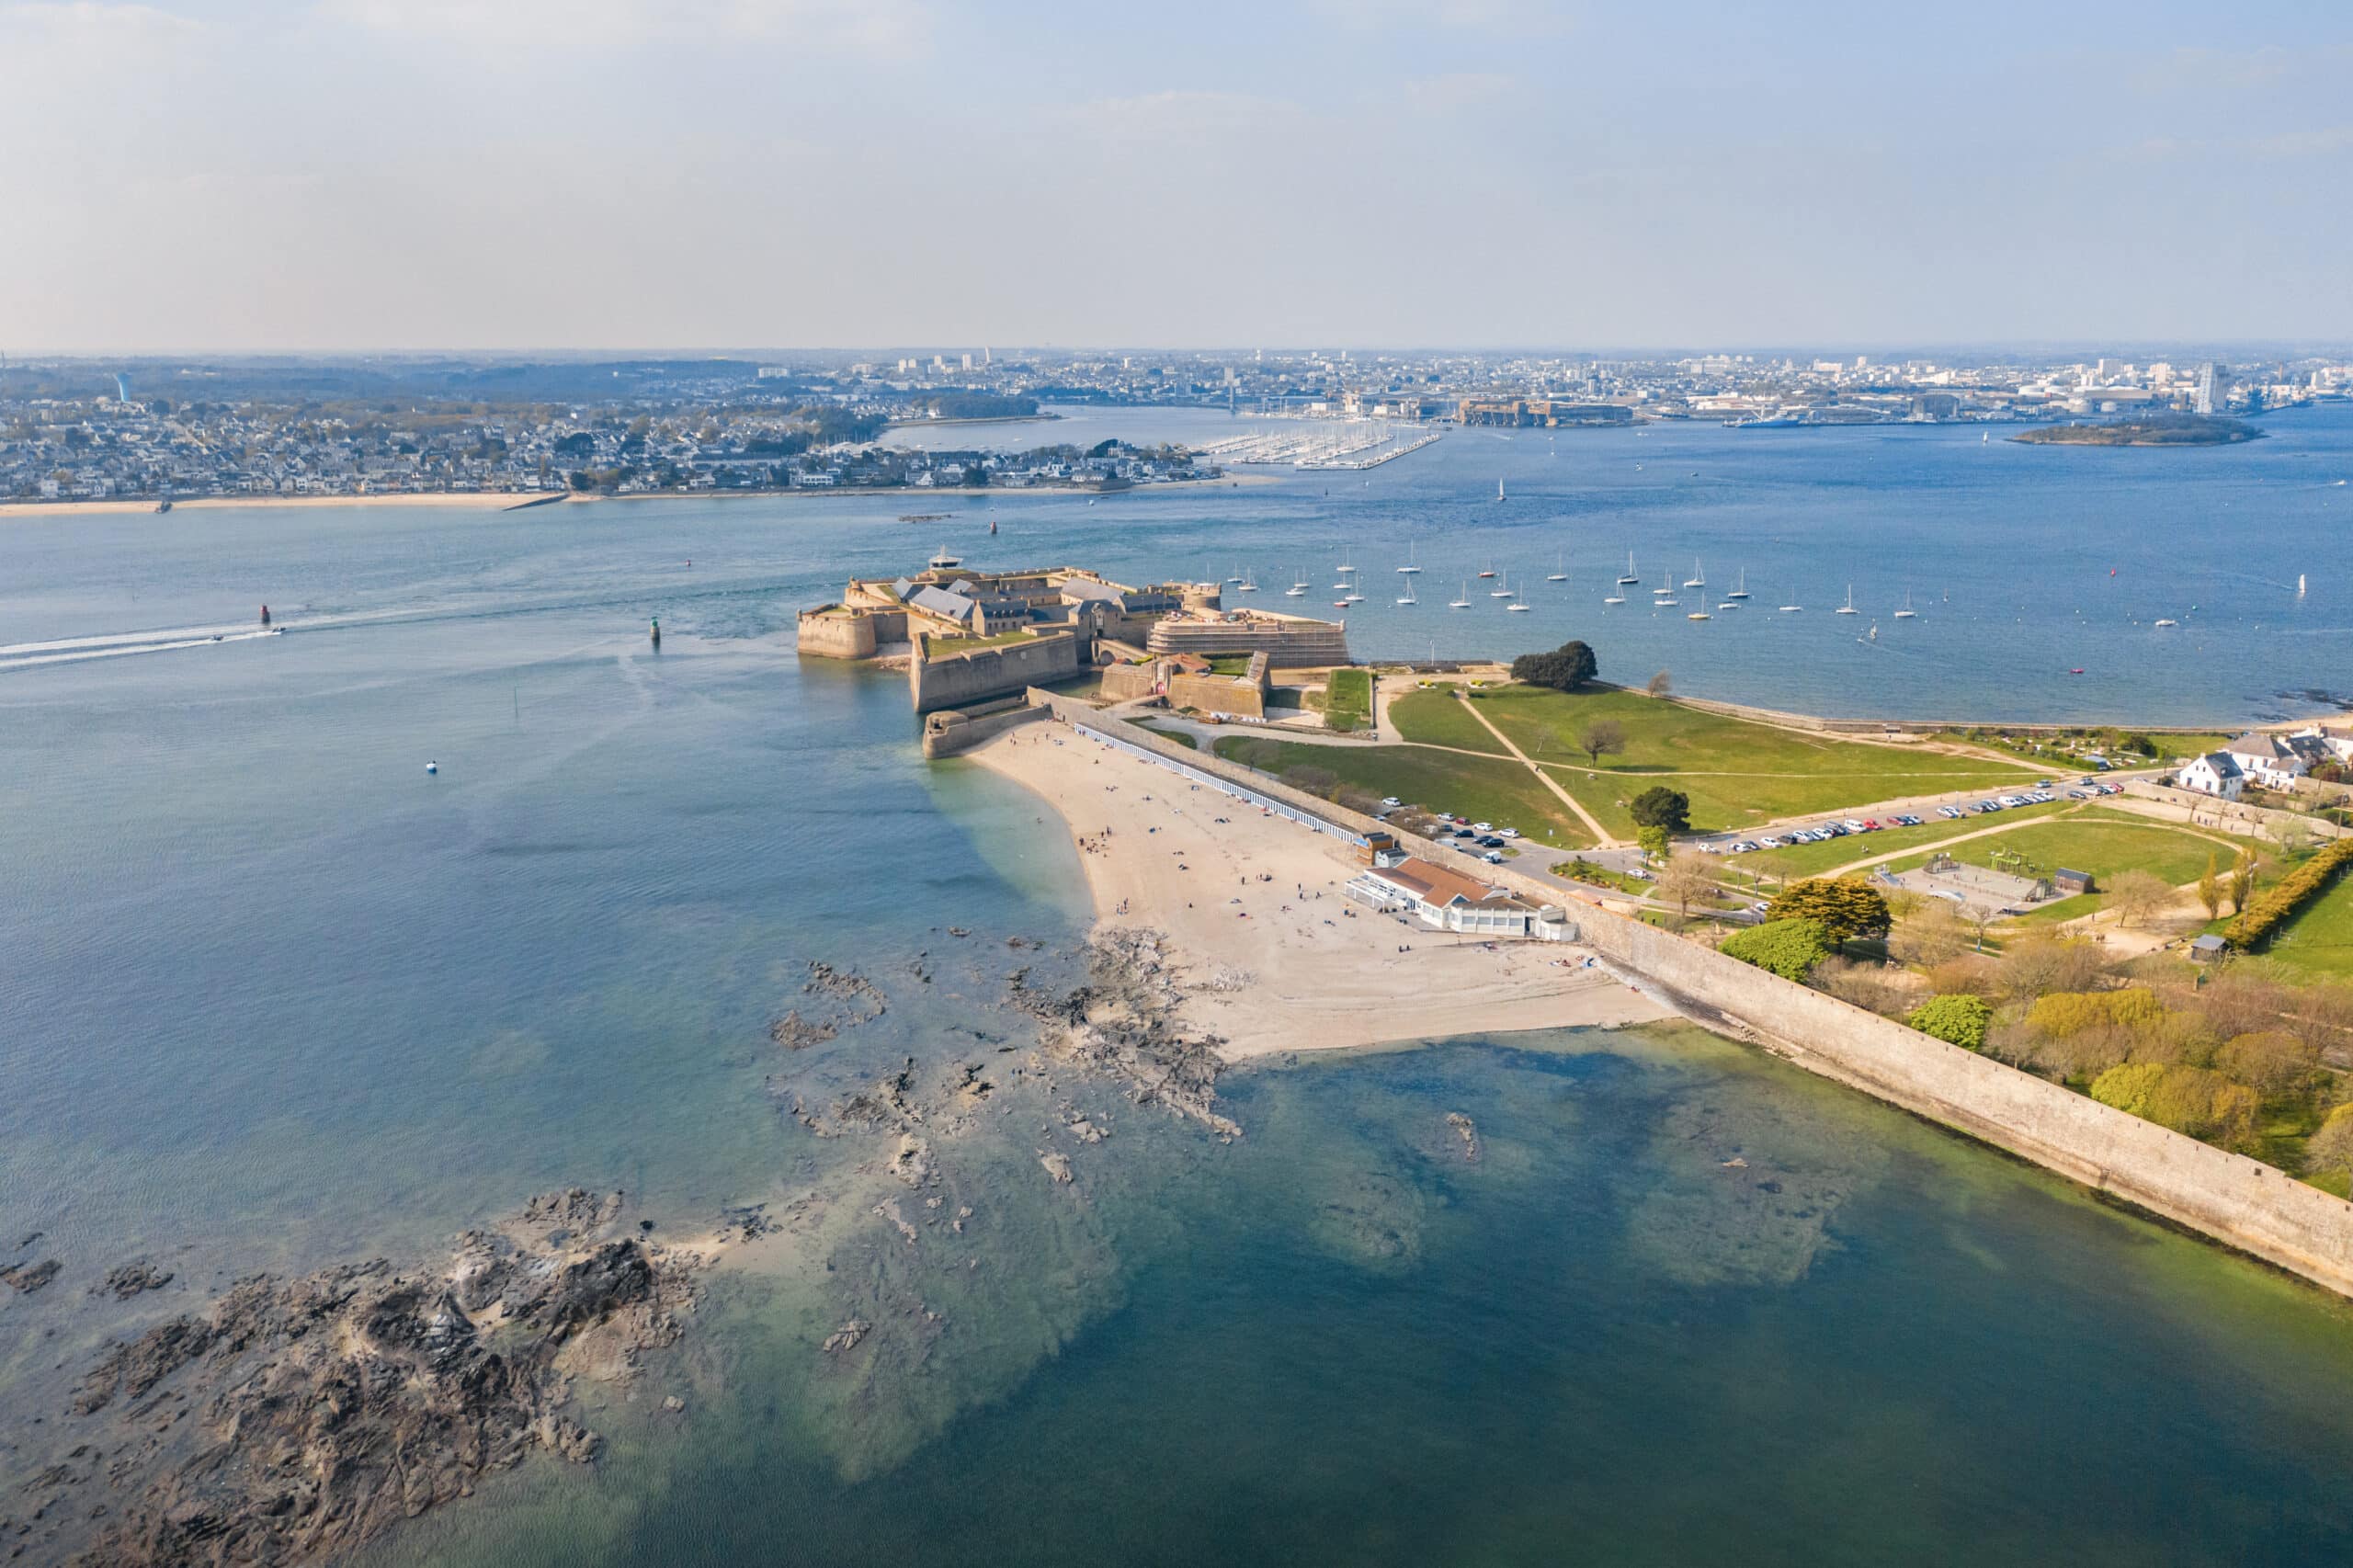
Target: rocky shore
column 293, row 1420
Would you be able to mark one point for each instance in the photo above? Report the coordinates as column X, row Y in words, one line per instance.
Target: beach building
column 1446, row 900
column 2216, row 773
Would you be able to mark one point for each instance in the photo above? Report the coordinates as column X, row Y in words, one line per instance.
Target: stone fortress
column 968, row 637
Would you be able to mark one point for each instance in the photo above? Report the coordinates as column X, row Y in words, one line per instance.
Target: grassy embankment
column 2320, row 940
column 1736, row 772
column 1498, row 790
column 1347, row 699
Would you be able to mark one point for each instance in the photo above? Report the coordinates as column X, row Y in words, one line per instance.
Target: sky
column 186, row 176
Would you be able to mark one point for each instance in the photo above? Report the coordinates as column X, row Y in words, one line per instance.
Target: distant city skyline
column 229, row 176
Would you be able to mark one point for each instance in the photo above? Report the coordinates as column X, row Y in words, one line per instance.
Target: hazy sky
column 206, row 175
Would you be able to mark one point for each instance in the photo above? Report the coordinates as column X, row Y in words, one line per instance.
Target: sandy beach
column 1280, row 959
column 492, row 500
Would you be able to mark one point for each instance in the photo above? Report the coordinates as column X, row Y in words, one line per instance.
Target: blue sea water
column 271, row 996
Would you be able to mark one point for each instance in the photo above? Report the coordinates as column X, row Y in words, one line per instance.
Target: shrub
column 2257, row 918
column 2331, row 1148
column 2035, row 966
column 1874, row 987
column 1958, row 1019
column 1787, row 948
column 2064, row 1012
column 1845, row 906
column 2194, row 1101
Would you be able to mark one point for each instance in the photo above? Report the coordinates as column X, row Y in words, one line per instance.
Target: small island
column 2178, row 430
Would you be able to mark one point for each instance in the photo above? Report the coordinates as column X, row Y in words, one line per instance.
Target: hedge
column 1959, row 1019
column 1787, row 947
column 2274, row 907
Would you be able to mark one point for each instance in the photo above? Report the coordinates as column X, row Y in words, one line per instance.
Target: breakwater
column 2239, row 1201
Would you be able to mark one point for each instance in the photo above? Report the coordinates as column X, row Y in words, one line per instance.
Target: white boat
column 1907, row 612
column 1698, row 579
column 1345, row 568
column 943, row 562
column 1516, row 608
column 1407, row 597
column 1563, row 574
column 1848, row 608
column 1697, row 615
column 1630, row 577
column 1502, row 593
column 1409, row 568
column 1249, row 583
column 2167, row 623
column 1665, row 587
column 1613, row 598
column 1728, row 604
column 1499, row 490
column 1742, row 591
column 1235, row 581
column 1352, row 596
column 1792, row 609
column 1667, row 603
column 1465, row 602
column 1298, row 586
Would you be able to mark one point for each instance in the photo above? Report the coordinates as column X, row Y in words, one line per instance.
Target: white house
column 2268, row 759
column 2216, row 773
column 2337, row 739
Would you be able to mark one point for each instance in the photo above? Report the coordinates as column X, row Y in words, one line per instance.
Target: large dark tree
column 1659, row 806
column 1845, row 906
column 1565, row 669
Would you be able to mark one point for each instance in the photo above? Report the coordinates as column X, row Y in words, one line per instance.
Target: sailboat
column 1666, row 586
column 1465, row 602
column 1409, row 568
column 1907, row 612
column 1235, row 581
column 1502, row 593
column 1698, row 615
column 1698, row 579
column 1848, row 608
column 1249, row 583
column 1298, row 585
column 1353, row 595
column 1345, row 567
column 1628, row 579
column 1487, row 570
column 1499, row 490
column 1407, row 597
column 1791, row 609
column 1563, row 574
column 1741, row 592
column 1516, row 606
column 1613, row 598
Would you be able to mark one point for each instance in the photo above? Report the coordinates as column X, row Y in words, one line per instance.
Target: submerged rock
column 30, row 1277
column 290, row 1421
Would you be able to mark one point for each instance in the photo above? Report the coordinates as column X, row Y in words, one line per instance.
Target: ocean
column 277, row 997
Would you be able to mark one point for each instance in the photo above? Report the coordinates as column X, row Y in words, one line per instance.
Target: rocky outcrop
column 293, row 1420
column 27, row 1277
column 134, row 1279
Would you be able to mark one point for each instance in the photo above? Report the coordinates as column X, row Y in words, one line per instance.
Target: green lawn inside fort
column 1496, row 790
column 1737, row 772
column 1347, row 699
column 2319, row 941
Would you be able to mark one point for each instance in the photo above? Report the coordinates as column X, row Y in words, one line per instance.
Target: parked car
column 1508, row 831
column 1494, row 857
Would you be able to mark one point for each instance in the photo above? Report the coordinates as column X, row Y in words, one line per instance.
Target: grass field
column 1347, row 699
column 2320, row 939
column 2104, row 849
column 1500, row 791
column 1182, row 737
column 1737, row 773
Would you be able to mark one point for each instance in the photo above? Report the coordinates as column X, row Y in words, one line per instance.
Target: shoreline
column 1276, row 958
column 515, row 500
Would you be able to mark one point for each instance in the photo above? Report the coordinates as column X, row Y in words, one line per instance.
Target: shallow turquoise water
column 276, row 998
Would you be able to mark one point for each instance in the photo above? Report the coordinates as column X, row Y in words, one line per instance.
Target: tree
column 1930, row 935
column 1654, row 839
column 1687, row 876
column 1958, row 1019
column 2194, row 1101
column 2210, row 891
column 1659, row 806
column 2331, row 1148
column 1661, row 685
column 1845, row 906
column 2138, row 896
column 2241, row 879
column 1565, row 669
column 1601, row 736
column 2273, row 1064
column 1787, row 948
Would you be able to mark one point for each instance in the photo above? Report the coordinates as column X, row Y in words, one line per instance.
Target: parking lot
column 1958, row 810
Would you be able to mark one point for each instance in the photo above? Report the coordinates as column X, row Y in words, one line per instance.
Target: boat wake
column 70, row 650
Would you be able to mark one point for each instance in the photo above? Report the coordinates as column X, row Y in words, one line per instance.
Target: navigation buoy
column 432, row 768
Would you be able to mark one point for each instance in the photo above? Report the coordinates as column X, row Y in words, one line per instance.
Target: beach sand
column 1242, row 894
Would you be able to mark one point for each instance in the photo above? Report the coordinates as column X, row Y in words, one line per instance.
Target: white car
column 1391, row 801
column 1482, row 828
column 1506, row 833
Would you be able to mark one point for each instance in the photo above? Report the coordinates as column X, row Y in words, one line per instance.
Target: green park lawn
column 1736, row 772
column 2103, row 842
column 1436, row 717
column 1347, row 699
column 1500, row 791
column 2320, row 940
